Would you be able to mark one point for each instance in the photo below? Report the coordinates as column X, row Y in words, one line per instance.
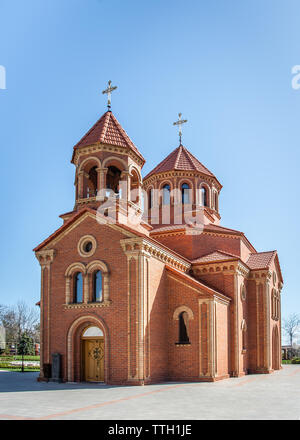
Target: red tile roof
column 260, row 260
column 108, row 130
column 197, row 283
column 215, row 256
column 182, row 160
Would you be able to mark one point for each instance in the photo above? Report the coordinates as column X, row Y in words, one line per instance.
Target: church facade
column 142, row 284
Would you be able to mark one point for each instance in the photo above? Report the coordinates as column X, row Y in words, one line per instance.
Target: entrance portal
column 93, row 355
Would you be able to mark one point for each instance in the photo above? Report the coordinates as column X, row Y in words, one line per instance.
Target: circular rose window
column 87, row 246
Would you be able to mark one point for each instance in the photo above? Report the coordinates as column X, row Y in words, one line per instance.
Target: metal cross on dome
column 179, row 123
column 108, row 91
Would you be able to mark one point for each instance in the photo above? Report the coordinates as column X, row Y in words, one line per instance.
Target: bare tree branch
column 291, row 326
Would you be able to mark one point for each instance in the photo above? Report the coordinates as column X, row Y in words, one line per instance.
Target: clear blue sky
column 225, row 64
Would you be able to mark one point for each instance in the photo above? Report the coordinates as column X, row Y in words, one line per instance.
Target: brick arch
column 69, row 277
column 181, row 309
column 100, row 265
column 75, row 267
column 191, row 185
column 165, row 182
column 92, row 159
column 74, row 344
column 133, row 168
column 115, row 161
column 208, row 190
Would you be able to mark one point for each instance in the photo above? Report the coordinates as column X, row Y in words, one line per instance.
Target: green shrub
column 8, row 366
column 296, row 361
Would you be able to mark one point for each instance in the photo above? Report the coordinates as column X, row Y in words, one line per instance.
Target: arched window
column 97, row 286
column 166, row 194
column 203, row 193
column 244, row 335
column 183, row 328
column 216, row 200
column 150, row 198
column 78, row 288
column 185, row 193
column 92, row 182
column 113, row 179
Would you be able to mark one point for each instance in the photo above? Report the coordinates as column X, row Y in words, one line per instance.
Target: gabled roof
column 215, row 256
column 198, row 284
column 180, row 160
column 121, row 226
column 260, row 260
column 107, row 130
column 263, row 260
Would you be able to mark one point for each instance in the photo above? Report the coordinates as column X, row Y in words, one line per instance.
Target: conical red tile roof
column 108, row 130
column 182, row 160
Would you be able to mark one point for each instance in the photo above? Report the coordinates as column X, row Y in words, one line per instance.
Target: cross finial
column 108, row 91
column 179, row 123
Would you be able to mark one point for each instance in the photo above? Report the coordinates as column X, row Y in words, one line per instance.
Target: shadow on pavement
column 12, row 381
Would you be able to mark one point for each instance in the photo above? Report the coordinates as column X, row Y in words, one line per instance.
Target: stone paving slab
column 263, row 397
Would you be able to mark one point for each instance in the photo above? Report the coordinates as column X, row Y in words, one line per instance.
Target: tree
column 19, row 319
column 25, row 347
column 291, row 326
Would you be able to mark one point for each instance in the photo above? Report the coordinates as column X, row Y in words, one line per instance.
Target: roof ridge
column 105, row 127
column 90, row 130
column 178, row 155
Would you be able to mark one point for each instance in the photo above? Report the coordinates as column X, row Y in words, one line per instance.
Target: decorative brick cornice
column 136, row 246
column 182, row 173
column 259, row 276
column 225, row 266
column 98, row 147
column 45, row 257
column 87, row 305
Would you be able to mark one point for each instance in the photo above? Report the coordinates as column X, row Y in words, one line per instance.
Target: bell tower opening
column 113, row 179
column 92, row 182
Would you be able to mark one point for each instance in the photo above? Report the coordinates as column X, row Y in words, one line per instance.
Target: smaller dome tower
column 178, row 188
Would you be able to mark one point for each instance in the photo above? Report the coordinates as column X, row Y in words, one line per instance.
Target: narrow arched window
column 166, row 194
column 150, row 199
column 244, row 335
column 97, row 286
column 185, row 193
column 78, row 287
column 216, row 201
column 204, row 196
column 183, row 328
column 244, row 340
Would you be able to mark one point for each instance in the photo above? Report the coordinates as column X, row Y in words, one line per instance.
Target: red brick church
column 133, row 293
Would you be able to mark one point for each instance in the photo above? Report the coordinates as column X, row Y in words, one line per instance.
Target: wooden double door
column 93, row 359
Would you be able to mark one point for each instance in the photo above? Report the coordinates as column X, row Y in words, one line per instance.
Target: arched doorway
column 275, row 349
column 92, row 349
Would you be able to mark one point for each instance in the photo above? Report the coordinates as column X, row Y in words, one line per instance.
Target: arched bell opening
column 113, row 178
column 134, row 187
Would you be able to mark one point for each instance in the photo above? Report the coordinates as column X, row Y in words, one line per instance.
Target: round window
column 87, row 246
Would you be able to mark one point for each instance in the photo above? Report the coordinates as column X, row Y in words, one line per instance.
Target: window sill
column 87, row 305
column 183, row 344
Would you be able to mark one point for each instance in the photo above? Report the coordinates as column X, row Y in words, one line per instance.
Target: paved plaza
column 274, row 397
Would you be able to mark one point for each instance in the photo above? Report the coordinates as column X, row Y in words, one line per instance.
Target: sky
column 226, row 65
